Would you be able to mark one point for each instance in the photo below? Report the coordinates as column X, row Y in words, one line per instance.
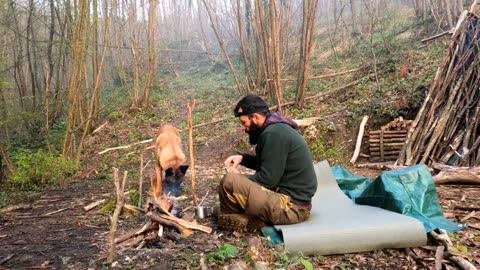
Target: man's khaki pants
column 238, row 194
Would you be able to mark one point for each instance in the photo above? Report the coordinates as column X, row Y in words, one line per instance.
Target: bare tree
column 309, row 12
column 152, row 62
column 214, row 24
column 79, row 50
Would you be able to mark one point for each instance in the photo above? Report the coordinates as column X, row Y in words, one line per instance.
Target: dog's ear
column 183, row 169
column 169, row 172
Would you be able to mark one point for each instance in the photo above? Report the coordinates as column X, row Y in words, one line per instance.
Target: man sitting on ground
column 284, row 182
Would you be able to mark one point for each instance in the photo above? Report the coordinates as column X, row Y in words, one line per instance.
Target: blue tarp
column 409, row 191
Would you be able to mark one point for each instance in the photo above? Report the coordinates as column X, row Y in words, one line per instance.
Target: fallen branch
column 100, row 127
column 14, row 208
column 449, row 32
column 125, row 146
column 472, row 214
column 447, row 244
column 415, row 257
column 56, row 211
column 329, row 75
column 468, row 208
column 93, row 205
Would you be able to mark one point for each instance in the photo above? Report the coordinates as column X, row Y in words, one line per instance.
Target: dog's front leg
column 159, row 171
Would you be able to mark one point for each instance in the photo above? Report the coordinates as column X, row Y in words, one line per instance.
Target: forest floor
column 51, row 230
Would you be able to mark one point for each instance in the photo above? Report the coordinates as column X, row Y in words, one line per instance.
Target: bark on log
column 162, row 220
column 456, row 175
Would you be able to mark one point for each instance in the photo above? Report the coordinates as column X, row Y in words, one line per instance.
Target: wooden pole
column 140, row 181
column 359, row 139
column 190, row 147
column 119, row 188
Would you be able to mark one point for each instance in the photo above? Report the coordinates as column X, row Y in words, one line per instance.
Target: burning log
column 158, row 212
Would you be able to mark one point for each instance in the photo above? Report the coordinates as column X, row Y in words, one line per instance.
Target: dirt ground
column 50, row 230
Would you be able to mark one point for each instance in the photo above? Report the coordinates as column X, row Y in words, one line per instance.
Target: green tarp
column 409, row 191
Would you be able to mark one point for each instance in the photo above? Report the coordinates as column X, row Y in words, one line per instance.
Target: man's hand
column 232, row 162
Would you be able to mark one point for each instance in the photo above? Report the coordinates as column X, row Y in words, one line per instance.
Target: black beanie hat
column 250, row 104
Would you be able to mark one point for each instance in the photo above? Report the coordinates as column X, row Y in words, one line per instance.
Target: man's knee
column 227, row 181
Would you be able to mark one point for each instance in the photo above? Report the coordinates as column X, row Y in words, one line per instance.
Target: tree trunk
column 246, row 62
column 214, row 23
column 29, row 56
column 152, row 60
column 309, row 12
column 275, row 54
column 79, row 48
column 448, row 11
column 354, row 21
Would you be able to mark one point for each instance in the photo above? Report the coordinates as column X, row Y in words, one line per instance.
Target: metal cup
column 201, row 212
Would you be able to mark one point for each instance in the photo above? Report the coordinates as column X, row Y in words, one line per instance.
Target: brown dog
column 169, row 158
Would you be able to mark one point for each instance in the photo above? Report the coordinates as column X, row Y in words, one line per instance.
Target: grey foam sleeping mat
column 338, row 226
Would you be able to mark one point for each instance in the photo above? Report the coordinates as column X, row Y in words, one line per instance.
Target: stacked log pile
column 385, row 144
column 447, row 127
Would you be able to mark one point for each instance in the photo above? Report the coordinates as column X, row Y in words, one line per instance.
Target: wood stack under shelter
column 385, row 144
column 447, row 127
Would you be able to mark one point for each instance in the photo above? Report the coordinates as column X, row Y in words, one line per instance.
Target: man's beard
column 254, row 132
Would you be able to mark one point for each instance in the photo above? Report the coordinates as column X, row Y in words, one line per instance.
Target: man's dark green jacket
column 283, row 163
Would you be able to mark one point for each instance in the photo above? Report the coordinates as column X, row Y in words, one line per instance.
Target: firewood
column 162, row 220
column 386, row 147
column 187, row 224
column 456, row 175
column 388, row 132
column 130, row 234
column 134, row 241
column 389, row 144
column 387, row 140
column 379, row 158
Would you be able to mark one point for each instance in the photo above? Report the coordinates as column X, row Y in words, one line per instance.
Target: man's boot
column 240, row 222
